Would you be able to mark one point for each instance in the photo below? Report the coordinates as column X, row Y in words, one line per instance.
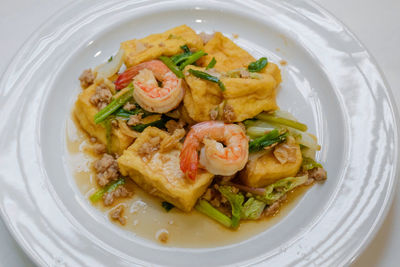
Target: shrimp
column 225, row 150
column 147, row 93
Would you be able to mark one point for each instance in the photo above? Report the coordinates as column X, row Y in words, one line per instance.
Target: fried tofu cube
column 245, row 97
column 84, row 112
column 201, row 96
column 159, row 172
column 264, row 169
column 229, row 56
column 167, row 43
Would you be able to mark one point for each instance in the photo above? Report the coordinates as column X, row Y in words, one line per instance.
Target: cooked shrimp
column 225, row 150
column 147, row 93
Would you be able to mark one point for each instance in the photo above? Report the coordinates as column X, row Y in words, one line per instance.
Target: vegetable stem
column 267, row 140
column 211, row 64
column 185, row 48
column 114, row 105
column 107, row 189
column 171, row 65
column 192, row 58
column 125, row 114
column 205, row 76
column 206, row 208
column 283, row 121
column 158, row 123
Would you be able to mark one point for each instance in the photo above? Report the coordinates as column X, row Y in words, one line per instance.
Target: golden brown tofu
column 229, row 56
column 263, row 170
column 246, row 97
column 84, row 112
column 167, row 43
column 274, row 71
column 159, row 173
column 201, row 96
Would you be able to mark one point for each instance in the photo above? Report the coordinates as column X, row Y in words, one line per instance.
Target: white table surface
column 377, row 25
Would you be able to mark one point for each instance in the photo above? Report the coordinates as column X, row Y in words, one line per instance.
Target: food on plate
column 193, row 120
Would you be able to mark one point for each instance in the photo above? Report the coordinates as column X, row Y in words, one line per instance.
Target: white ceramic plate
column 331, row 83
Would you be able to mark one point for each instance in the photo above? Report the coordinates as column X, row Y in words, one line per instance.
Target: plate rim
column 387, row 91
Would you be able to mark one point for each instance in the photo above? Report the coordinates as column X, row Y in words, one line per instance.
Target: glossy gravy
column 145, row 215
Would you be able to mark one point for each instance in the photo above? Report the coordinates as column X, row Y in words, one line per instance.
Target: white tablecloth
column 376, row 23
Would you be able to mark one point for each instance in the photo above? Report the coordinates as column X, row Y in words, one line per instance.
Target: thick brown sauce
column 144, row 214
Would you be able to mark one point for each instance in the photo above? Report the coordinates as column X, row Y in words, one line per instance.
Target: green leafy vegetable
column 110, row 59
column 179, row 58
column 255, row 132
column 185, row 48
column 114, row 105
column 107, row 189
column 252, row 209
column 309, row 164
column 158, row 123
column 249, row 122
column 258, row 65
column 205, row 76
column 273, row 118
column 276, row 190
column 236, row 201
column 167, row 206
column 267, row 140
column 206, row 208
column 172, row 66
column 211, row 64
column 125, row 114
column 256, row 128
column 192, row 58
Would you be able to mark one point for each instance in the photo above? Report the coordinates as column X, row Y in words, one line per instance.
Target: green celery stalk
column 192, row 58
column 283, row 121
column 205, row 76
column 185, row 48
column 267, row 140
column 158, row 123
column 255, row 132
column 171, row 65
column 125, row 114
column 178, row 59
column 114, row 105
column 211, row 64
column 107, row 189
column 206, row 208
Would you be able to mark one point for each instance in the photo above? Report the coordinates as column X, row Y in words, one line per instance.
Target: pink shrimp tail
column 189, row 160
column 125, row 78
